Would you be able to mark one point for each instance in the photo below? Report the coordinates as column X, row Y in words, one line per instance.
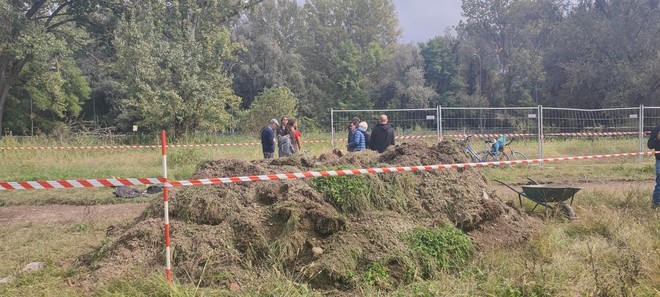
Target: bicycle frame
column 473, row 154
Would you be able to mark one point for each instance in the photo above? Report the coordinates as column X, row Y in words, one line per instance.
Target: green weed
column 346, row 193
column 440, row 248
column 377, row 275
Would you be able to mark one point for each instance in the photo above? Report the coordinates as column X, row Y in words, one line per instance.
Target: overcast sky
column 421, row 20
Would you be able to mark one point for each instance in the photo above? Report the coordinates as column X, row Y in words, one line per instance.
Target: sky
column 421, row 20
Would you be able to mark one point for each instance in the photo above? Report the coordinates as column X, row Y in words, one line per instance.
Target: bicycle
column 476, row 157
column 503, row 155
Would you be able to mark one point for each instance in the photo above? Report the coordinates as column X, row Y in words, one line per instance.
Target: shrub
column 440, row 248
column 346, row 193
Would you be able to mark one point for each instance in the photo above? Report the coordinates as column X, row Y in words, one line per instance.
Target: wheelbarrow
column 546, row 195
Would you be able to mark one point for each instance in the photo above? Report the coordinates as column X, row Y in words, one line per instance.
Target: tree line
column 229, row 65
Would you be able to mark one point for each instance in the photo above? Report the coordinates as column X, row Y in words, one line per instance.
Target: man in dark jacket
column 654, row 143
column 268, row 139
column 382, row 135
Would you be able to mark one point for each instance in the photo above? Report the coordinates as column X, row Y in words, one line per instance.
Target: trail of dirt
column 118, row 212
column 56, row 213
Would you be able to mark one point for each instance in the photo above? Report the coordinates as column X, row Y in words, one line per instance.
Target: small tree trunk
column 8, row 75
column 4, row 86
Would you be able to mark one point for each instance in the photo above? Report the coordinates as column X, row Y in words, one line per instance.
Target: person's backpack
column 285, row 145
column 127, row 192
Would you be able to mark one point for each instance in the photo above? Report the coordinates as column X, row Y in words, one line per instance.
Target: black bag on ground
column 154, row 189
column 127, row 192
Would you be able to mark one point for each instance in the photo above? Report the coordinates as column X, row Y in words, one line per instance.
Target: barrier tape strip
column 313, row 174
column 311, row 141
column 97, row 183
column 596, row 133
column 141, row 146
column 80, row 183
column 488, row 135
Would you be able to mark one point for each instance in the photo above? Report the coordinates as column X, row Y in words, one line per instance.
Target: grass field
column 612, row 250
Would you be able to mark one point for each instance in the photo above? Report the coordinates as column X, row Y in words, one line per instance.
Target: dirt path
column 119, row 212
column 69, row 213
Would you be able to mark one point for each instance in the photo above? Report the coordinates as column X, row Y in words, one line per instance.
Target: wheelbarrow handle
column 508, row 186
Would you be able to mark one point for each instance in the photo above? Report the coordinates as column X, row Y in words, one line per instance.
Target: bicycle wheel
column 496, row 157
column 516, row 156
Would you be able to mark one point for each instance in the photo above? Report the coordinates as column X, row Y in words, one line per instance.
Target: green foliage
column 377, row 275
column 441, row 69
column 38, row 66
column 350, row 85
column 346, row 193
column 172, row 60
column 439, row 248
column 271, row 103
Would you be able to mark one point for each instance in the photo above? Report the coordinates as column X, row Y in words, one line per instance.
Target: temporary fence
column 407, row 122
column 537, row 123
column 91, row 183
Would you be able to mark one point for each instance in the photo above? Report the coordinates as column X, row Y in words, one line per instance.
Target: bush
column 439, row 248
column 271, row 103
column 346, row 193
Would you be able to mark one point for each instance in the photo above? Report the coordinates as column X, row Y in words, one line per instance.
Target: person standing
column 280, row 132
column 367, row 136
column 268, row 139
column 295, row 135
column 358, row 143
column 382, row 136
column 654, row 143
column 286, row 148
column 356, row 122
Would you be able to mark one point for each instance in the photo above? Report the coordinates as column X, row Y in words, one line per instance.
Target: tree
column 605, row 54
column 272, row 32
column 509, row 37
column 271, row 103
column 172, row 56
column 403, row 84
column 349, row 84
column 441, row 71
column 37, row 42
column 345, row 52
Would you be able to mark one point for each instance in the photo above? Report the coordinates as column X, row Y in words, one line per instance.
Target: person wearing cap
column 268, row 139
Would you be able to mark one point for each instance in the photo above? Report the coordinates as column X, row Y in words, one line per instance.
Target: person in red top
column 295, row 141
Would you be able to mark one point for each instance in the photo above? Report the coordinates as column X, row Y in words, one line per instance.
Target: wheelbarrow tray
column 549, row 193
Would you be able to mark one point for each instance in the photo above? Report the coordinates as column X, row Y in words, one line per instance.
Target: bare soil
column 70, row 213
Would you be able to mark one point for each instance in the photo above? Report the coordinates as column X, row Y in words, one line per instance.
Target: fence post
column 438, row 119
column 641, row 132
column 332, row 128
column 168, row 264
column 540, row 132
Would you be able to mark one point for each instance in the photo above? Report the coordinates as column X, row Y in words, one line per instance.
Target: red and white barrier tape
column 488, row 135
column 308, row 141
column 94, row 183
column 594, row 134
column 80, row 183
column 312, row 174
column 140, row 146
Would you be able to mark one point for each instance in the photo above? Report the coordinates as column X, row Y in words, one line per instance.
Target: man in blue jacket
column 654, row 143
column 268, row 139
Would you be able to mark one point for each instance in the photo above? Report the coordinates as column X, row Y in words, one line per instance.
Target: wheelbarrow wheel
column 566, row 210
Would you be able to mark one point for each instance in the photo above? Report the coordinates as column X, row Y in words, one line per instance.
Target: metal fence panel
column 460, row 121
column 406, row 122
